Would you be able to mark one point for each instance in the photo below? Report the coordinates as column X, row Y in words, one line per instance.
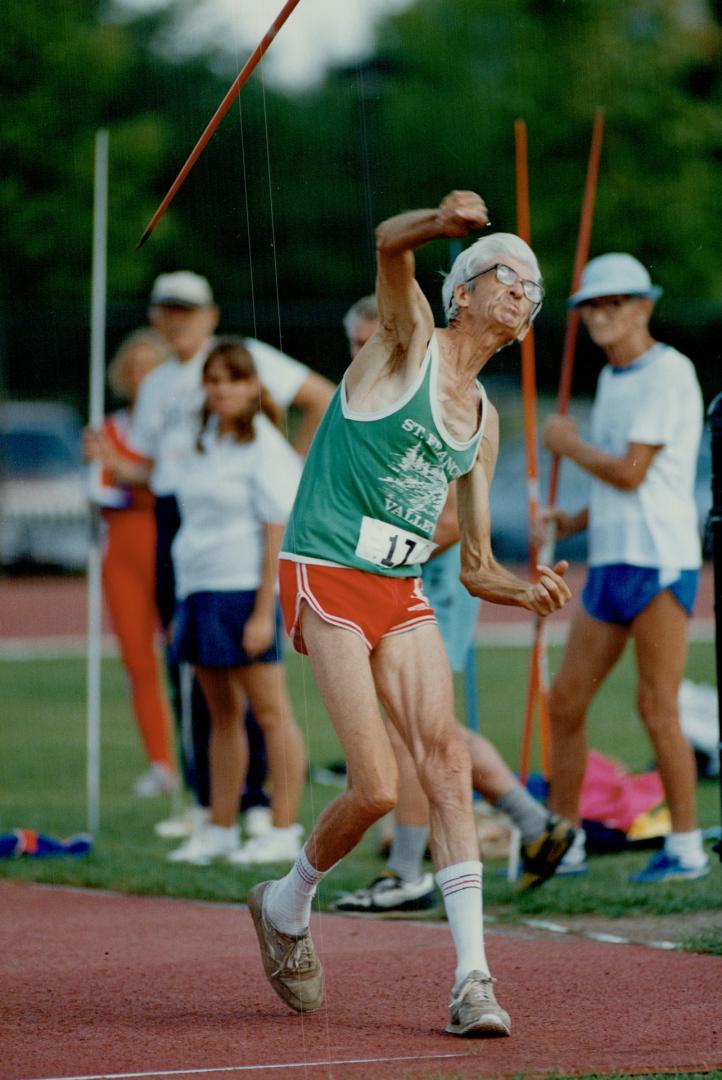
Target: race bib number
column 388, row 545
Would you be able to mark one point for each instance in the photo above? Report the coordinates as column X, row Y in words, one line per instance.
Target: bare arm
column 481, row 574
column 124, row 470
column 261, row 624
column 312, row 400
column 626, row 473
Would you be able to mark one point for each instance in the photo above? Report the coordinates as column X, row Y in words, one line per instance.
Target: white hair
column 365, row 309
column 474, row 258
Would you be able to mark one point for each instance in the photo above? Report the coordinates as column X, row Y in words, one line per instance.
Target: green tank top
column 374, row 484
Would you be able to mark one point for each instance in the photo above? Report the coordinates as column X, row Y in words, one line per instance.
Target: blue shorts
column 457, row 611
column 618, row 593
column 209, row 630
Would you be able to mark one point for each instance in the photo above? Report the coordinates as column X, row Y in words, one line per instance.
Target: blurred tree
column 279, row 212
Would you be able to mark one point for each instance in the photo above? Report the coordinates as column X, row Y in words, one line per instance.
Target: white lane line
column 252, row 1068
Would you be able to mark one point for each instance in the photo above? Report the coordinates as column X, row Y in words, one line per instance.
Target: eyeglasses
column 505, row 275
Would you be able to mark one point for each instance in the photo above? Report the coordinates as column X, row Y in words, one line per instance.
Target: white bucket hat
column 616, row 274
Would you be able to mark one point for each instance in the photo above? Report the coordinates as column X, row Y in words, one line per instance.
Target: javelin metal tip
column 143, row 238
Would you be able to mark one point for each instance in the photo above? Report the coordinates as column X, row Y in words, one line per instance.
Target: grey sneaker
column 473, row 1009
column 289, row 960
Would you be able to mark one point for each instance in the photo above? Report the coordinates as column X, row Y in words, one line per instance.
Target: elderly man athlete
column 408, row 418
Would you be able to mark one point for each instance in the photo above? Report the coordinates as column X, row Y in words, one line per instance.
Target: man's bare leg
column 660, row 638
column 593, row 648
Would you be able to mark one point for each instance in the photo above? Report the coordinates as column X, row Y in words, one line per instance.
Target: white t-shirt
column 656, row 401
column 165, row 419
column 226, row 494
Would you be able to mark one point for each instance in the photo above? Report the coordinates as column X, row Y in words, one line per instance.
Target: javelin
column 220, row 112
column 580, row 259
column 537, row 687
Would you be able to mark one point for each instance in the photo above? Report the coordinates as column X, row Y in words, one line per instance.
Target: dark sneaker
column 662, row 867
column 474, row 1011
column 542, row 856
column 289, row 960
column 390, row 896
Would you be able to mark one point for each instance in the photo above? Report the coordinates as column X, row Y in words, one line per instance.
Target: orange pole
column 580, row 259
column 220, row 112
column 535, row 688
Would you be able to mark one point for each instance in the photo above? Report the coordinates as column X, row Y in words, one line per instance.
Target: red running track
column 98, row 985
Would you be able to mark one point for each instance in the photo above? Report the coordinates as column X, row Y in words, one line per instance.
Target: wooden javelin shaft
column 580, row 259
column 220, row 112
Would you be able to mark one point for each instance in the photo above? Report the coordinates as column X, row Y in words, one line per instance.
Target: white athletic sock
column 461, row 889
column 687, row 847
column 287, row 902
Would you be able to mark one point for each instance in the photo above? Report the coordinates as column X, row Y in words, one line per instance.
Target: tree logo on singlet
column 418, row 491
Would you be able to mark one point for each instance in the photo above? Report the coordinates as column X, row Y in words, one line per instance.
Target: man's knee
column 659, row 710
column 566, row 712
column 445, row 768
column 373, row 801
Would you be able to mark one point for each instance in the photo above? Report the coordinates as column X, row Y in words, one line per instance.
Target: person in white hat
column 644, row 551
column 165, row 423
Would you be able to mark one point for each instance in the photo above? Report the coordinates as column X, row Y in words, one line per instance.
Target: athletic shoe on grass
column 257, row 821
column 541, row 857
column 574, row 862
column 290, row 961
column 206, row 844
column 158, row 779
column 274, row 846
column 182, row 825
column 474, row 1011
column 663, row 867
column 389, row 895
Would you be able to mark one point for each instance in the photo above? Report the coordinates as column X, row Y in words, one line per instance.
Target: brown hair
column 237, row 361
column 117, row 368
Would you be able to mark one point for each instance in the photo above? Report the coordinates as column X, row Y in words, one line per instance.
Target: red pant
column 129, row 585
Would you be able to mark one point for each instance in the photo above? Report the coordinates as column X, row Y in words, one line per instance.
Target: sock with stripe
column 287, row 902
column 460, row 887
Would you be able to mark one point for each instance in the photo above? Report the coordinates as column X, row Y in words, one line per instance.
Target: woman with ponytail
column 236, row 492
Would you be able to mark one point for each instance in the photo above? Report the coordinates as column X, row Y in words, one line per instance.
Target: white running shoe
column 257, row 821
column 389, row 896
column 206, row 844
column 182, row 825
column 277, row 845
column 158, row 779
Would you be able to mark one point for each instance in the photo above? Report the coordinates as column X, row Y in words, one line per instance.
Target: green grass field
column 43, row 787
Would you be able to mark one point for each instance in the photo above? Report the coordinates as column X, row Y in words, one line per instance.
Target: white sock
column 287, row 902
column 461, row 889
column 687, row 847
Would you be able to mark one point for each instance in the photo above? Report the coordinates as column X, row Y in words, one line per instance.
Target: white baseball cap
column 181, row 289
column 616, row 274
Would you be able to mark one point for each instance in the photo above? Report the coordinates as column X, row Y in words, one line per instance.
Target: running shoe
column 274, row 846
column 389, row 896
column 663, row 867
column 207, row 843
column 257, row 821
column 574, row 862
column 158, row 779
column 290, row 961
column 474, row 1011
column 181, row 825
column 541, row 857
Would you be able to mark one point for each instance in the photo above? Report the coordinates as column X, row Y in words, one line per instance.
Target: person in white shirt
column 235, row 491
column 644, row 551
column 183, row 312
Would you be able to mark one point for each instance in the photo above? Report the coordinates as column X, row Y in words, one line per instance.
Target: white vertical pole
column 96, row 413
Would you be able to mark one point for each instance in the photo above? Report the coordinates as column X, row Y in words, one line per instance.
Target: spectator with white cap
column 183, row 311
column 644, row 550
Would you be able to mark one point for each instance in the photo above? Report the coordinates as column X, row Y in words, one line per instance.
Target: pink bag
column 615, row 797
